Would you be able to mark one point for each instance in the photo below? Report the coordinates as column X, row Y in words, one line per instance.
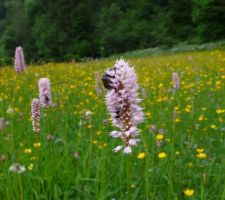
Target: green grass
column 98, row 173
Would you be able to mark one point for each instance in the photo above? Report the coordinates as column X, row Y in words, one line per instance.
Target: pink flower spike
column 35, row 110
column 122, row 101
column 19, row 60
column 45, row 92
column 176, row 80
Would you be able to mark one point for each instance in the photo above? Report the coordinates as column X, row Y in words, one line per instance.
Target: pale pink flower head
column 45, row 92
column 122, row 100
column 19, row 60
column 176, row 80
column 35, row 111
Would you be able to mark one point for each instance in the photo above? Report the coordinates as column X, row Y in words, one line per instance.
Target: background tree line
column 59, row 30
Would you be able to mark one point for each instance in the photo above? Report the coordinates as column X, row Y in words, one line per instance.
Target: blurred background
column 66, row 30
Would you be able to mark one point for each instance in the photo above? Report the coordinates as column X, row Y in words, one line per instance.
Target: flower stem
column 128, row 177
column 21, row 187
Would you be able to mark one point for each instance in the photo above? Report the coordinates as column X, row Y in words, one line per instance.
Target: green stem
column 128, row 177
column 21, row 187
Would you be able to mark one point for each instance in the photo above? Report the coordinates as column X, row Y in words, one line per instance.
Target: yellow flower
column 187, row 109
column 219, row 111
column 148, row 114
column 98, row 133
column 161, row 155
column 105, row 144
column 89, row 126
column 94, row 141
column 27, row 151
column 201, row 155
column 188, row 192
column 168, row 140
column 160, row 85
column 141, row 155
column 200, row 150
column 30, row 167
column 213, row 126
column 159, row 137
column 201, row 117
column 90, row 93
column 176, row 108
column 177, row 120
column 33, row 158
column 37, row 145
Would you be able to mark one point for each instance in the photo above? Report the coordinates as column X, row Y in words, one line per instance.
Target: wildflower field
column 180, row 155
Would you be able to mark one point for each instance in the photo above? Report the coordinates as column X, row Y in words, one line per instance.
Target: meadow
column 181, row 153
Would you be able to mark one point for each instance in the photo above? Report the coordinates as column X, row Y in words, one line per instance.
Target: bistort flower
column 176, row 80
column 122, row 99
column 45, row 92
column 35, row 110
column 19, row 60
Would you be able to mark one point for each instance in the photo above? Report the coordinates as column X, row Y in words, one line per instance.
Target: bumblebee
column 106, row 79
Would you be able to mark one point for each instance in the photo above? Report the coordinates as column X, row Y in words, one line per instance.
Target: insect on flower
column 107, row 78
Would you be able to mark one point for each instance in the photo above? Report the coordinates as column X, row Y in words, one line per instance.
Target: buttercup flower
column 27, row 151
column 141, row 155
column 31, row 166
column 201, row 155
column 188, row 192
column 37, row 144
column 200, row 150
column 161, row 155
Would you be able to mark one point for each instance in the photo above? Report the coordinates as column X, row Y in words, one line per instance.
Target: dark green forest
column 63, row 30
